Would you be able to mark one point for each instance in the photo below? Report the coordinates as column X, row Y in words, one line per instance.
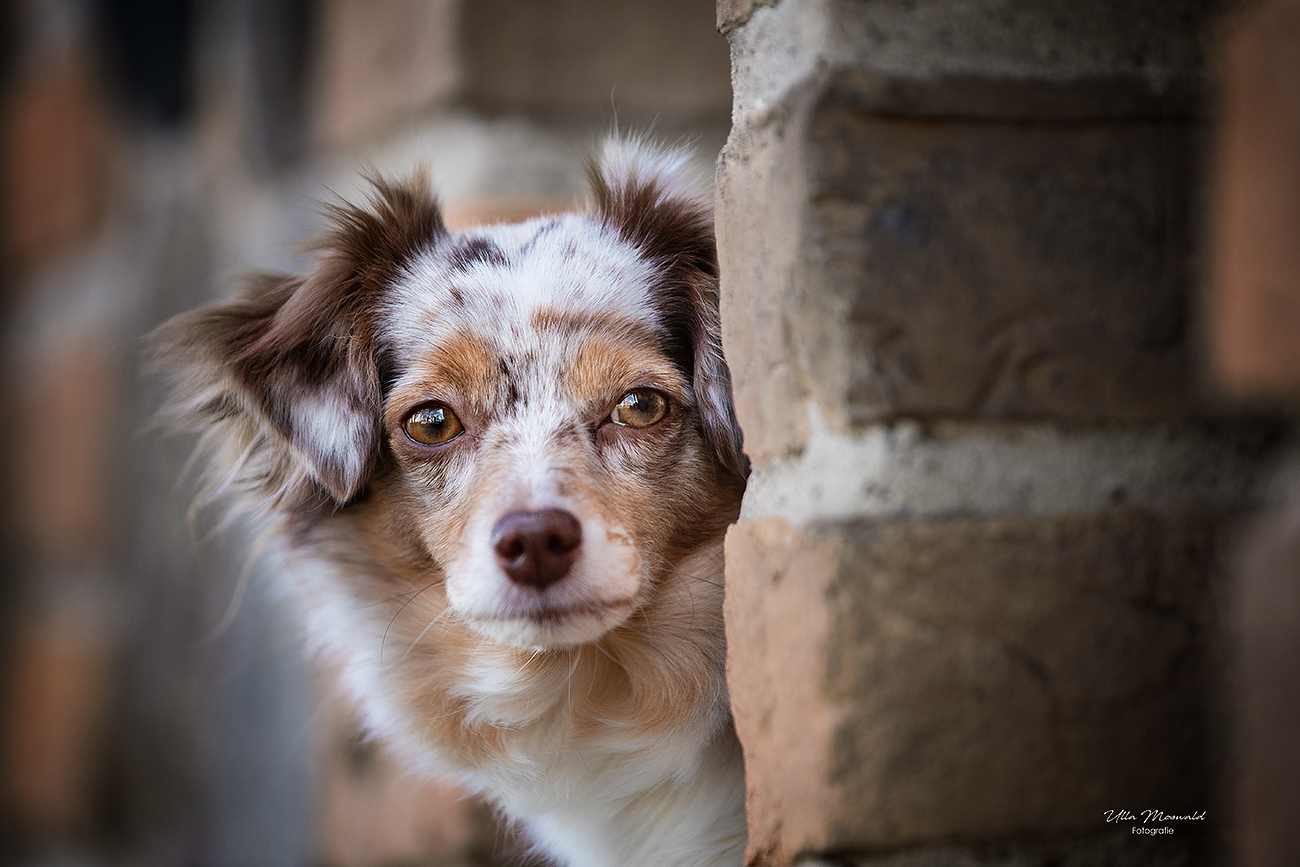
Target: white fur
column 329, row 430
column 596, row 276
column 636, row 157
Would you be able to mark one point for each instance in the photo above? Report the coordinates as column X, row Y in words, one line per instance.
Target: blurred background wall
column 155, row 707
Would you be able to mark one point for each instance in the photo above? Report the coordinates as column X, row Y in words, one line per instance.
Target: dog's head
column 540, row 413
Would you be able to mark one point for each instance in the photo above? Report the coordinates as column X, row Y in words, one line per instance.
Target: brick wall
column 976, row 597
column 155, row 703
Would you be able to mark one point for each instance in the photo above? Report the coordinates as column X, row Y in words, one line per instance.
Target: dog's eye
column 640, row 408
column 432, row 425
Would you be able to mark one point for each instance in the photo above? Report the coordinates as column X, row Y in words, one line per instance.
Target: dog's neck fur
column 599, row 748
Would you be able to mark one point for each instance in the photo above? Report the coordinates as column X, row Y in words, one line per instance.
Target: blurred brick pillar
column 1255, row 302
column 63, row 388
column 972, row 598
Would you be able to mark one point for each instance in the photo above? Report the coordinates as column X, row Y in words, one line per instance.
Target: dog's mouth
column 552, row 625
column 549, row 615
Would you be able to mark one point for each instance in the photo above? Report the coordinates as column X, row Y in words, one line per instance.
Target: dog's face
column 547, row 450
column 538, row 415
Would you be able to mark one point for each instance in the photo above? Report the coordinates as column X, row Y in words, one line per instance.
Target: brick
column 971, row 97
column 382, row 63
column 759, row 234
column 1255, row 298
column 993, row 270
column 1008, row 59
column 980, row 468
column 57, row 155
column 886, row 268
column 965, row 270
column 899, row 682
column 57, row 704
column 66, row 427
column 573, row 59
column 894, row 242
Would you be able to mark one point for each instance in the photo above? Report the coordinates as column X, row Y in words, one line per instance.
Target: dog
column 500, row 465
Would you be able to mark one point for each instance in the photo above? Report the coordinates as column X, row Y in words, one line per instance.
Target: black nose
column 536, row 548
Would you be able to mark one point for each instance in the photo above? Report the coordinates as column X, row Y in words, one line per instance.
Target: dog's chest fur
column 502, row 464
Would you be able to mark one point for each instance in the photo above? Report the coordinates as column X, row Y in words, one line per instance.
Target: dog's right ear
column 645, row 193
column 285, row 380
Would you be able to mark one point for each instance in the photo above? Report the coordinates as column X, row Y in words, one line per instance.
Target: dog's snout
column 536, row 548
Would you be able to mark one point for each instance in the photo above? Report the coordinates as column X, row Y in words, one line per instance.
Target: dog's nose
column 536, row 548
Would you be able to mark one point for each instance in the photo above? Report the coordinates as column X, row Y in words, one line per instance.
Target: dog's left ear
column 646, row 193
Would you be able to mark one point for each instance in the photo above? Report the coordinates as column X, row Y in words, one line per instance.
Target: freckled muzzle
column 536, row 549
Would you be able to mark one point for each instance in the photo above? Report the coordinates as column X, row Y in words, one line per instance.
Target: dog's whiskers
column 407, row 596
column 534, row 655
column 241, row 584
column 601, row 647
column 398, row 613
column 568, row 678
column 423, row 632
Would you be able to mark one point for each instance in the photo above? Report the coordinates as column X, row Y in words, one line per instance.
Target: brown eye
column 432, row 425
column 640, row 408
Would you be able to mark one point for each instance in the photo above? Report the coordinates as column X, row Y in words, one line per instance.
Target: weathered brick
column 993, row 270
column 902, row 681
column 953, row 269
column 644, row 62
column 895, row 242
column 759, row 239
column 1025, row 59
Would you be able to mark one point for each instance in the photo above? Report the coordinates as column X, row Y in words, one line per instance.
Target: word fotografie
column 1149, row 816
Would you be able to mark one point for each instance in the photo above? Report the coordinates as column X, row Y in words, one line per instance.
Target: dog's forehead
column 496, row 280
